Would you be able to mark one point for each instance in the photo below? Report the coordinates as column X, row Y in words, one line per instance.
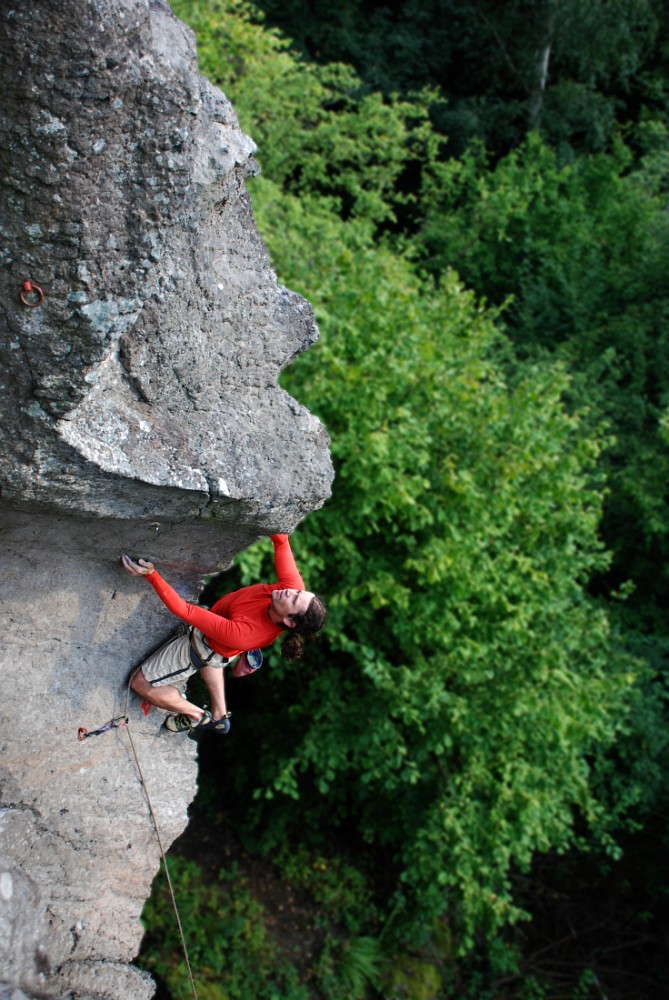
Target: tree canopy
column 473, row 196
column 465, row 677
column 575, row 68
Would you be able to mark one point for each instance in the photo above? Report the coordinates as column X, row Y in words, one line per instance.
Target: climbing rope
column 123, row 721
column 165, row 865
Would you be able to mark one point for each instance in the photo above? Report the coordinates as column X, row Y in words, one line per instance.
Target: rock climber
column 236, row 628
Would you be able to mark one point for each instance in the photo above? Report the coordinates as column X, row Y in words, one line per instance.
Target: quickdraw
column 121, row 720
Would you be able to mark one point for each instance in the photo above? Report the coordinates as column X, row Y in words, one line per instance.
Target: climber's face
column 286, row 604
column 241, row 668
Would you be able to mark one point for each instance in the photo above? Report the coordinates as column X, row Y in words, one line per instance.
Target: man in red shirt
column 238, row 625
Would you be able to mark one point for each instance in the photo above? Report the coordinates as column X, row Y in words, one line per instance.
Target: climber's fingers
column 140, row 568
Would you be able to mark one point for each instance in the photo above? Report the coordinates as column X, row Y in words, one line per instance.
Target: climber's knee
column 139, row 683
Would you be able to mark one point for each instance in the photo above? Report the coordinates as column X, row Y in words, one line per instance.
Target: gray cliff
column 141, row 338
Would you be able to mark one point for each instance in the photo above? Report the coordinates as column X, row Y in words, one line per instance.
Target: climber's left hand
column 139, row 568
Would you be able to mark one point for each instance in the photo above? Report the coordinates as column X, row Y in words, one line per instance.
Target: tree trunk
column 542, row 63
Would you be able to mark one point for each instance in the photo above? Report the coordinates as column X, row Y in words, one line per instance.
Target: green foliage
column 411, row 978
column 345, row 969
column 458, row 712
column 340, row 890
column 465, row 679
column 317, row 130
column 604, row 61
column 635, row 779
column 231, row 955
column 581, row 250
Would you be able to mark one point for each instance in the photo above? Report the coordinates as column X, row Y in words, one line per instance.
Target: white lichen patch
column 47, row 124
column 6, row 886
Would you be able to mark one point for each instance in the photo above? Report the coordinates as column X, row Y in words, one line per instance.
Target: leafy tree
column 575, row 67
column 465, row 680
column 229, row 948
column 318, row 131
column 456, row 716
column 581, row 250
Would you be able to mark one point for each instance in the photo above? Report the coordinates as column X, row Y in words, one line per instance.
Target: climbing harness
column 122, row 721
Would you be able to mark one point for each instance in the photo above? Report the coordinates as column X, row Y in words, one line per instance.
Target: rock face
column 141, row 337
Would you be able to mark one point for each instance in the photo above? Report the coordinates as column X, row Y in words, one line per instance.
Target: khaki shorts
column 172, row 663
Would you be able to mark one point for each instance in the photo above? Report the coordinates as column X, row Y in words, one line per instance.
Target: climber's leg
column 164, row 696
column 213, row 678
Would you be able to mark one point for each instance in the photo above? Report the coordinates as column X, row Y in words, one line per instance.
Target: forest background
column 465, row 781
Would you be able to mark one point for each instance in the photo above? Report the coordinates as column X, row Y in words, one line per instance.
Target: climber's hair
column 306, row 625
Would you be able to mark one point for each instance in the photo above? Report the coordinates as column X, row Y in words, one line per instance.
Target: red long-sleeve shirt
column 239, row 621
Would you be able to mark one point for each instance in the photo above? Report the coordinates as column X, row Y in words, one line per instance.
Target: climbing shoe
column 182, row 724
column 221, row 726
column 178, row 724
